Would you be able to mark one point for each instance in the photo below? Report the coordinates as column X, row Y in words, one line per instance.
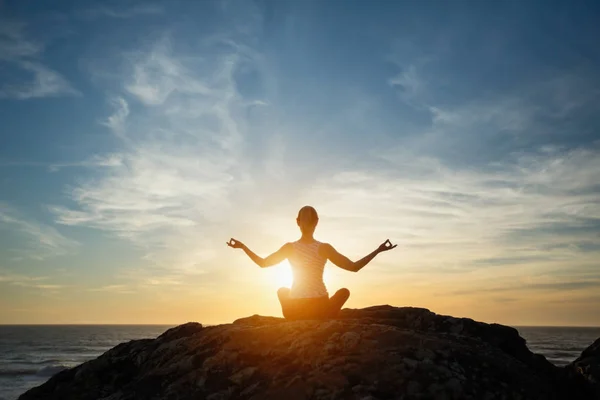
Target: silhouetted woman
column 308, row 297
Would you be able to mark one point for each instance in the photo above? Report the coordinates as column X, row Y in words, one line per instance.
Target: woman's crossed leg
column 311, row 308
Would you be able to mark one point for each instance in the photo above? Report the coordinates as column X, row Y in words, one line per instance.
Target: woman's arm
column 269, row 261
column 345, row 263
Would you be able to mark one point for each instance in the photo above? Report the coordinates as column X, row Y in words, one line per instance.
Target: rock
column 380, row 352
column 181, row 331
column 586, row 369
column 258, row 320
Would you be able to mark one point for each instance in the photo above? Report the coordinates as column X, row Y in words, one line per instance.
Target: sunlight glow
column 282, row 275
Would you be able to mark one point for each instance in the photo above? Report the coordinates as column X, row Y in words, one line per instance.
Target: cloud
column 116, row 122
column 24, row 54
column 13, row 45
column 96, row 161
column 6, row 277
column 157, row 279
column 41, row 286
column 499, row 261
column 118, row 288
column 41, row 241
column 157, row 75
column 183, row 164
column 528, row 287
column 121, row 13
column 443, row 117
column 474, row 217
column 499, row 188
column 407, row 83
column 46, row 83
column 35, row 282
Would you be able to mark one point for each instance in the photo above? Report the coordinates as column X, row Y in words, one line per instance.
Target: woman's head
column 307, row 219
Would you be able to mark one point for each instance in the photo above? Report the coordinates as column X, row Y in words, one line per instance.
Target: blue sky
column 138, row 136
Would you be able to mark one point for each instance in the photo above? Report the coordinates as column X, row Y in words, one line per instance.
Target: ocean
column 29, row 355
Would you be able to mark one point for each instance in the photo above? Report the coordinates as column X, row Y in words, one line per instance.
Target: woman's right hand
column 234, row 243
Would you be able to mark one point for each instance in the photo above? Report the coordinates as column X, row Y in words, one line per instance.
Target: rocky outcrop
column 379, row 352
column 586, row 369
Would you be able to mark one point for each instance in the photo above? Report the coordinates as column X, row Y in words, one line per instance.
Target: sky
column 138, row 137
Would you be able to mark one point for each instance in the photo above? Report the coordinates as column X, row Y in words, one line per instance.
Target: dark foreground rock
column 587, row 368
column 379, row 352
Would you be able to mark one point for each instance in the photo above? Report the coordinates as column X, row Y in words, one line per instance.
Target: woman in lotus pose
column 308, row 298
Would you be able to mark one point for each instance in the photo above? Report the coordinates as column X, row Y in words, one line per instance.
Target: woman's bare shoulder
column 325, row 249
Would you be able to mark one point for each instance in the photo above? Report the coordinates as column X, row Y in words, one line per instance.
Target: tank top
column 307, row 269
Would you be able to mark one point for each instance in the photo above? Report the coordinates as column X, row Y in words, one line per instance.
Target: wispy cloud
column 13, row 45
column 489, row 125
column 42, row 241
column 6, row 277
column 46, row 83
column 118, row 288
column 156, row 75
column 182, row 164
column 124, row 12
column 516, row 209
column 562, row 286
column 408, row 84
column 97, row 161
column 135, row 281
column 25, row 54
column 35, row 282
column 116, row 121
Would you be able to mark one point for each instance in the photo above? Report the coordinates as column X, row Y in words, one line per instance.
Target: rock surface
column 379, row 352
column 587, row 368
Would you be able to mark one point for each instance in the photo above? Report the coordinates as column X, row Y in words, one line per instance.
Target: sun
column 281, row 275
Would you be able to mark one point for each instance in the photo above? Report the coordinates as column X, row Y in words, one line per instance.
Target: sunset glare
column 281, row 275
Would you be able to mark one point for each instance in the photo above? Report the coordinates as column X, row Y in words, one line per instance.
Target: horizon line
column 227, row 323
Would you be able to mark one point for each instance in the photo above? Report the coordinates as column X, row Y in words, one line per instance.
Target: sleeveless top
column 307, row 269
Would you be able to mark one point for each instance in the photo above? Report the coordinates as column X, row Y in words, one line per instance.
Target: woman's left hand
column 385, row 246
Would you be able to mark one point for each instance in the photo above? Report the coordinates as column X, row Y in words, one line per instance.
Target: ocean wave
column 51, row 370
column 49, row 361
column 46, row 371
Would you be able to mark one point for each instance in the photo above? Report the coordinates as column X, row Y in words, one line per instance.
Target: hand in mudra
column 385, row 246
column 236, row 244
